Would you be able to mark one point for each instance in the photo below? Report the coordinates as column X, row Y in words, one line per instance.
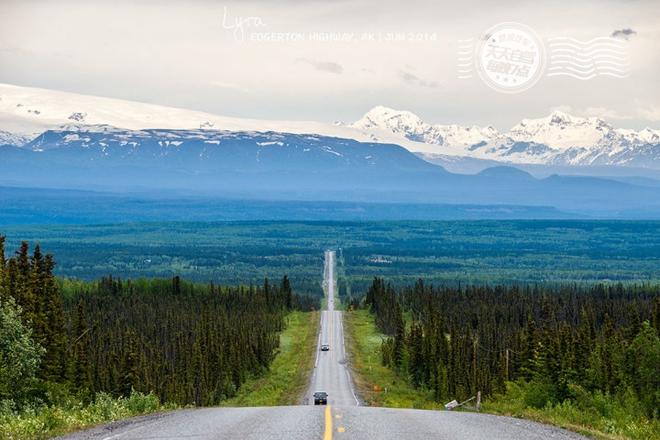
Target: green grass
column 288, row 376
column 378, row 385
column 595, row 415
column 49, row 421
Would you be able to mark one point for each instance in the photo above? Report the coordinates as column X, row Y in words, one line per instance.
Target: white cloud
column 178, row 54
column 606, row 113
column 643, row 113
column 323, row 66
column 564, row 109
column 414, row 80
column 229, row 86
column 598, row 112
column 651, row 114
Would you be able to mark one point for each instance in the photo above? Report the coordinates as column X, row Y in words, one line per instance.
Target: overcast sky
column 182, row 54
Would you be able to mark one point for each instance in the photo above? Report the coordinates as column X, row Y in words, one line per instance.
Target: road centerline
column 327, row 434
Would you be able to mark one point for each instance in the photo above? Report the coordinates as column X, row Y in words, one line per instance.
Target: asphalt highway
column 331, row 373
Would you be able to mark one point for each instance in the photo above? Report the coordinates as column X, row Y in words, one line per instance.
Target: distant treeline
column 187, row 343
column 457, row 341
column 440, row 252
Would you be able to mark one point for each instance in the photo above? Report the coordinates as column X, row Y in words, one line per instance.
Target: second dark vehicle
column 320, row 398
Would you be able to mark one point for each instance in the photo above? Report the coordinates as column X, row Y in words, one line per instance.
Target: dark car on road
column 325, row 347
column 320, row 398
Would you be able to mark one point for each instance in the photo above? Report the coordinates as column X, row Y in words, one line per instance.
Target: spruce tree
column 79, row 371
column 644, row 369
column 287, row 292
column 399, row 336
column 52, row 314
column 4, row 294
column 22, row 291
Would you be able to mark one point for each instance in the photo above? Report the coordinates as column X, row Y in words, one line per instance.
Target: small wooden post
column 478, row 400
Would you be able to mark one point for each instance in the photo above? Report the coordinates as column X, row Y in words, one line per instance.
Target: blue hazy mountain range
column 34, row 206
column 271, row 166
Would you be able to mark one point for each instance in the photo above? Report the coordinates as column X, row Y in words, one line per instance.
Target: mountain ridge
column 285, row 166
column 556, row 140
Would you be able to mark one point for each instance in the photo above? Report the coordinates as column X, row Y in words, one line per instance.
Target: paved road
column 331, row 373
column 342, row 419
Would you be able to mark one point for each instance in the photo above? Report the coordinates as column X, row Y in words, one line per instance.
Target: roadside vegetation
column 287, row 378
column 583, row 358
column 376, row 384
column 65, row 412
column 75, row 354
column 597, row 415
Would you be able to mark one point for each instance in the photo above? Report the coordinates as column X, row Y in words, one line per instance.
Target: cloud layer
column 346, row 56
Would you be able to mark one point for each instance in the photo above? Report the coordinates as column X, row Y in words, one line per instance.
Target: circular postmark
column 510, row 57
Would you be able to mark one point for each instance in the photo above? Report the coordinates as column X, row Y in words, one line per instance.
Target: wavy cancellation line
column 589, row 73
column 597, row 40
column 591, row 66
column 584, row 60
column 592, row 53
column 612, row 47
column 465, row 58
column 567, row 59
column 587, row 77
column 597, row 69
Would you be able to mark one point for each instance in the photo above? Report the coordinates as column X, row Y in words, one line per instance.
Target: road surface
column 331, row 373
column 342, row 419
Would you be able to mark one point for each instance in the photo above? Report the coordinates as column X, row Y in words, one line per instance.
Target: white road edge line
column 348, row 374
column 318, row 345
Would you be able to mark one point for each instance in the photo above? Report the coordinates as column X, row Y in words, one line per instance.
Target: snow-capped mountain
column 26, row 112
column 229, row 163
column 401, row 123
column 561, row 131
column 558, row 139
column 214, row 150
column 413, row 128
column 7, row 138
